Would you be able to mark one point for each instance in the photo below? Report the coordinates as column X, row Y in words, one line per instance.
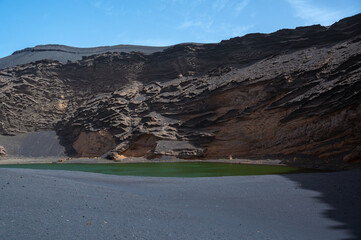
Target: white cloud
column 97, row 3
column 316, row 15
column 237, row 7
column 205, row 25
column 240, row 6
column 218, row 5
column 188, row 24
column 240, row 31
column 107, row 7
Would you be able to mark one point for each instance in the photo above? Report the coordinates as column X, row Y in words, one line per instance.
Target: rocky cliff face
column 291, row 94
column 64, row 54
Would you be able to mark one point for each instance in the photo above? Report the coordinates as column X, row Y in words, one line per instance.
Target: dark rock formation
column 292, row 94
column 64, row 54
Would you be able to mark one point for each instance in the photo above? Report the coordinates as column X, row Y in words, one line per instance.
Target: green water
column 195, row 169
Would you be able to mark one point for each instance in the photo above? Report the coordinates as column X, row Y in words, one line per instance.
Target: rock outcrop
column 2, row 151
column 292, row 94
column 64, row 54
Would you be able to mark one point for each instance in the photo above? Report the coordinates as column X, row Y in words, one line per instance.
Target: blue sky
column 82, row 23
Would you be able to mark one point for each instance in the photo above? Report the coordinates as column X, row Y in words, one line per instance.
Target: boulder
column 2, row 151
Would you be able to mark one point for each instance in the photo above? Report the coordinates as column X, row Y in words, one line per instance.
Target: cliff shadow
column 342, row 192
column 34, row 144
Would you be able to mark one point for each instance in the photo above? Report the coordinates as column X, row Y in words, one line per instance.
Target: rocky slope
column 294, row 94
column 64, row 54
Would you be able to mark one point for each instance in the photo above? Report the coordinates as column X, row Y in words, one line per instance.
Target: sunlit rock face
column 294, row 94
column 2, row 151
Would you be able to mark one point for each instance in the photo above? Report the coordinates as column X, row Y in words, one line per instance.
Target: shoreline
column 56, row 160
column 13, row 160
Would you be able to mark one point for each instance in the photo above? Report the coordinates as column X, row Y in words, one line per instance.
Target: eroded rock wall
column 293, row 93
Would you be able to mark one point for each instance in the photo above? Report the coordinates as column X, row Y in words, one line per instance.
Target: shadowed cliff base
column 37, row 144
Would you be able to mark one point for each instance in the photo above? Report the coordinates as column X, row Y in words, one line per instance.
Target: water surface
column 177, row 169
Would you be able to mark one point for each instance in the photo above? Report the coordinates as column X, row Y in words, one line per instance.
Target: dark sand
column 61, row 160
column 33, row 145
column 45, row 204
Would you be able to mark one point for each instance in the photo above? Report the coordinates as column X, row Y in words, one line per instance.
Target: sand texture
column 38, row 204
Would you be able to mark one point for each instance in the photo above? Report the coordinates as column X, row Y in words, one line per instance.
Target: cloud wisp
column 218, row 5
column 313, row 14
column 204, row 25
column 240, row 6
column 104, row 6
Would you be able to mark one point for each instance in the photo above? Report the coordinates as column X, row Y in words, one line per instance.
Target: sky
column 91, row 23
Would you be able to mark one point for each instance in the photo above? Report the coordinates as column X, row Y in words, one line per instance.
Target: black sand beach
column 45, row 204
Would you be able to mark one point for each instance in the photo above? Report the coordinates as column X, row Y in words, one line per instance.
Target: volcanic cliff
column 292, row 94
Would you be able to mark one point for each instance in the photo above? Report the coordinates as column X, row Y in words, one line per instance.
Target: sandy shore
column 274, row 162
column 45, row 204
column 21, row 160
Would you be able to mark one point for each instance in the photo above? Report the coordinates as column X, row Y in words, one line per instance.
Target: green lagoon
column 177, row 169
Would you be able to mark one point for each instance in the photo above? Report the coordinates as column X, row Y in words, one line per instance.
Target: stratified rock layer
column 292, row 94
column 64, row 54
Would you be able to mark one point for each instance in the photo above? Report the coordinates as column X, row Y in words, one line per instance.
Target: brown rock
column 93, row 144
column 354, row 156
column 2, row 151
column 116, row 157
column 143, row 147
